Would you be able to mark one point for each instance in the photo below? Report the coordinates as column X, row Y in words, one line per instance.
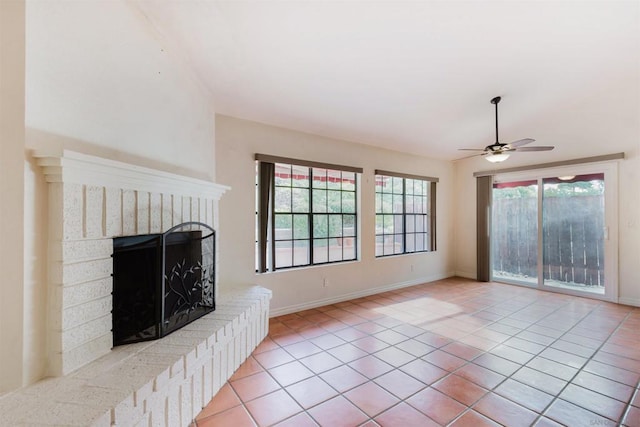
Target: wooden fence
column 573, row 238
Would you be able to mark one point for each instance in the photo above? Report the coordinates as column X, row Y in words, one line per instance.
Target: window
column 405, row 213
column 306, row 213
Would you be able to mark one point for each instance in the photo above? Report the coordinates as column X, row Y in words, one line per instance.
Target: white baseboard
column 465, row 274
column 358, row 294
column 629, row 301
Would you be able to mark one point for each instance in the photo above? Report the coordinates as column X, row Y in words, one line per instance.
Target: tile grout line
column 416, row 358
column 556, row 396
column 581, row 369
column 467, row 362
column 507, row 377
column 400, row 297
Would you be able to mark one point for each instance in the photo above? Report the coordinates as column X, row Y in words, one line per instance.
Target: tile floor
column 452, row 353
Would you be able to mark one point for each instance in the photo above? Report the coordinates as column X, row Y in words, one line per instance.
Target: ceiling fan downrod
column 495, row 102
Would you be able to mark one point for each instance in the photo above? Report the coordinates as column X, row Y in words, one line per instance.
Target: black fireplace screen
column 162, row 282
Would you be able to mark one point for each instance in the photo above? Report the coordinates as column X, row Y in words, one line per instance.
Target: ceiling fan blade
column 471, row 149
column 538, row 148
column 468, row 157
column 521, row 142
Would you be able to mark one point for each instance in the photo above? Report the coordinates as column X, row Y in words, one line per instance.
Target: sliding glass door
column 514, row 232
column 573, row 232
column 557, row 230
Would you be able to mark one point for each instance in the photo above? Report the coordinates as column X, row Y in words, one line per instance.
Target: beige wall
column 98, row 79
column 113, row 87
column 12, row 40
column 236, row 143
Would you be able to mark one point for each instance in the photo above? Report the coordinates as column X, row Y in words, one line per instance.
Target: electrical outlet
column 412, row 268
column 325, row 282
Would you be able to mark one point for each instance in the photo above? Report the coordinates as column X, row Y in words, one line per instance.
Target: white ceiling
column 418, row 76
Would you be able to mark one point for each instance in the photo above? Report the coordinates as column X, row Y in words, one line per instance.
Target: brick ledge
column 161, row 383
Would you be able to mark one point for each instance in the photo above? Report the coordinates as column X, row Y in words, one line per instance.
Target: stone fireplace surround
column 158, row 383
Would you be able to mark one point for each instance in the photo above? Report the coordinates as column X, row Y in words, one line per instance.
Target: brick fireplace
column 164, row 382
column 91, row 201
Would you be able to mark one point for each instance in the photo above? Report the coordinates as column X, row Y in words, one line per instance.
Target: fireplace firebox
column 162, row 282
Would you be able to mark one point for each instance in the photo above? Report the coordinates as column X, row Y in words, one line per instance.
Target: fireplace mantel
column 91, row 201
column 68, row 166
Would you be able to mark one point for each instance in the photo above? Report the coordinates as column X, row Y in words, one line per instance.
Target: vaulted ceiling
column 418, row 76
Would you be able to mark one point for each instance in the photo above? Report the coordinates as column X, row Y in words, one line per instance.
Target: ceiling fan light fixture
column 497, row 158
column 566, row 178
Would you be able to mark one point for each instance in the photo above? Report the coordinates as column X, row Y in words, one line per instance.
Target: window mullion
column 341, row 218
column 293, row 242
column 355, row 220
column 404, row 215
column 310, row 217
column 272, row 212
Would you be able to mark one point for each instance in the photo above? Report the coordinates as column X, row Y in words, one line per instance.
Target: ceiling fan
column 499, row 152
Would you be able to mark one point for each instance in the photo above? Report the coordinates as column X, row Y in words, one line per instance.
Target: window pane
column 349, row 250
column 427, row 242
column 348, row 202
column 411, row 223
column 283, row 174
column 379, row 245
column 334, row 179
column 398, row 227
column 399, row 247
column 300, row 200
column 388, row 224
column 411, row 242
column 383, row 184
column 420, row 240
column 408, row 183
column 349, row 225
column 348, row 181
column 387, row 203
column 283, row 199
column 319, row 178
column 388, row 245
column 420, row 187
column 283, row 227
column 319, row 201
column 320, row 251
column 301, row 252
column 335, row 249
column 335, row 225
column 398, row 201
column 320, row 226
column 284, row 252
column 418, row 204
column 409, row 204
column 300, row 227
column 334, row 199
column 397, row 185
column 300, row 176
